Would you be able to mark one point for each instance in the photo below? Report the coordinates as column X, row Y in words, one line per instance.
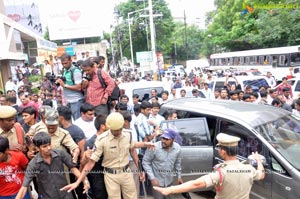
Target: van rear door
column 196, row 148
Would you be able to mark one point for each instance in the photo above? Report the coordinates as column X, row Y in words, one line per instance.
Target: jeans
column 75, row 108
column 101, row 109
column 27, row 196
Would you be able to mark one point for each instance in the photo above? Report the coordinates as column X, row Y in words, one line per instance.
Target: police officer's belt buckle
column 116, row 171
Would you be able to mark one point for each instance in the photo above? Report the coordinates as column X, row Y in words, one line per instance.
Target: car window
column 248, row 143
column 255, row 84
column 193, row 132
column 145, row 93
column 220, row 84
column 297, row 87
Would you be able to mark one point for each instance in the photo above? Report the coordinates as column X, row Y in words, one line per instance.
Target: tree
column 194, row 39
column 244, row 24
column 140, row 31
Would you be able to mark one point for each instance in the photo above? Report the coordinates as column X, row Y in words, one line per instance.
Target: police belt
column 116, row 171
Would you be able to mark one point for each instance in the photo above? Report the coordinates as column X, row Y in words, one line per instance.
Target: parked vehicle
column 178, row 69
column 142, row 88
column 295, row 83
column 271, row 131
column 254, row 81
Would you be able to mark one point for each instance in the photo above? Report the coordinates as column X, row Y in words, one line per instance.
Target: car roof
column 141, row 84
column 240, row 112
column 240, row 78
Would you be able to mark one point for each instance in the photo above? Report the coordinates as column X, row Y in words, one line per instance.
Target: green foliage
column 233, row 29
column 187, row 39
column 140, row 30
column 35, row 78
column 35, row 90
column 189, row 47
column 46, row 34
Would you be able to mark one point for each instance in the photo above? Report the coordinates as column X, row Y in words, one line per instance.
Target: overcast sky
column 195, row 9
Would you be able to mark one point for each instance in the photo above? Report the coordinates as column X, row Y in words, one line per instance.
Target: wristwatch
column 65, row 86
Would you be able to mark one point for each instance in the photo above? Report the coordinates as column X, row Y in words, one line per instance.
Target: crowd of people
column 72, row 140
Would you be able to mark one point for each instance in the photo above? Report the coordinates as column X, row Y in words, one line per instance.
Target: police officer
column 60, row 138
column 114, row 144
column 10, row 129
column 232, row 179
column 40, row 126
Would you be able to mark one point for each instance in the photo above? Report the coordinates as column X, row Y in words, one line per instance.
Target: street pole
column 130, row 39
column 129, row 29
column 175, row 51
column 153, row 63
column 112, row 48
column 186, row 45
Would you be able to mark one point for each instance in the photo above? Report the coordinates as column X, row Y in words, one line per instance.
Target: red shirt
column 12, row 173
column 281, row 86
column 95, row 92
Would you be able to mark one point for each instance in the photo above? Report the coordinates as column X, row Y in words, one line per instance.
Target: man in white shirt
column 47, row 68
column 270, row 79
column 155, row 119
column 10, row 85
column 86, row 120
column 207, row 91
column 296, row 111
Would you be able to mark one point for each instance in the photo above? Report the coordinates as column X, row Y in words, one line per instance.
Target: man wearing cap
column 114, row 145
column 232, row 179
column 60, row 138
column 13, row 131
column 162, row 163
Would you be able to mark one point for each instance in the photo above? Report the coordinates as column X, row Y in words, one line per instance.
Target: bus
column 278, row 61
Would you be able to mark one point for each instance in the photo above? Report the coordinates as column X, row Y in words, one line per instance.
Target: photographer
column 96, row 94
column 71, row 82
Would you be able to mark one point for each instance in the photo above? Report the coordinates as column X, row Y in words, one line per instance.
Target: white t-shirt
column 88, row 128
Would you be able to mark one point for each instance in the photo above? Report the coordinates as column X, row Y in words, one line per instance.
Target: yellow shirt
column 115, row 150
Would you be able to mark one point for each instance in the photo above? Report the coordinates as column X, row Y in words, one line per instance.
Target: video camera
column 63, row 78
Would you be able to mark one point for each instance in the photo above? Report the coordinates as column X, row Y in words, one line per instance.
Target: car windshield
column 284, row 135
column 256, row 83
column 145, row 93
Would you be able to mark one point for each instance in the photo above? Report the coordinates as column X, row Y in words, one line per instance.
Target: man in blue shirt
column 161, row 164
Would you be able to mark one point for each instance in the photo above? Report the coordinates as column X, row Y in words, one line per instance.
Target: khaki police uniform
column 232, row 179
column 36, row 128
column 61, row 139
column 117, row 175
column 11, row 135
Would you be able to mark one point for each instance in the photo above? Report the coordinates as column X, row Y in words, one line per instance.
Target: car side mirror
column 253, row 161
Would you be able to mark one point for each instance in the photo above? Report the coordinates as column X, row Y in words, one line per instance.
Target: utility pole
column 130, row 39
column 153, row 63
column 129, row 29
column 185, row 33
column 111, row 46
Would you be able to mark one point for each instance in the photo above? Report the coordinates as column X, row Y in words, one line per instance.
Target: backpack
column 72, row 73
column 116, row 91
